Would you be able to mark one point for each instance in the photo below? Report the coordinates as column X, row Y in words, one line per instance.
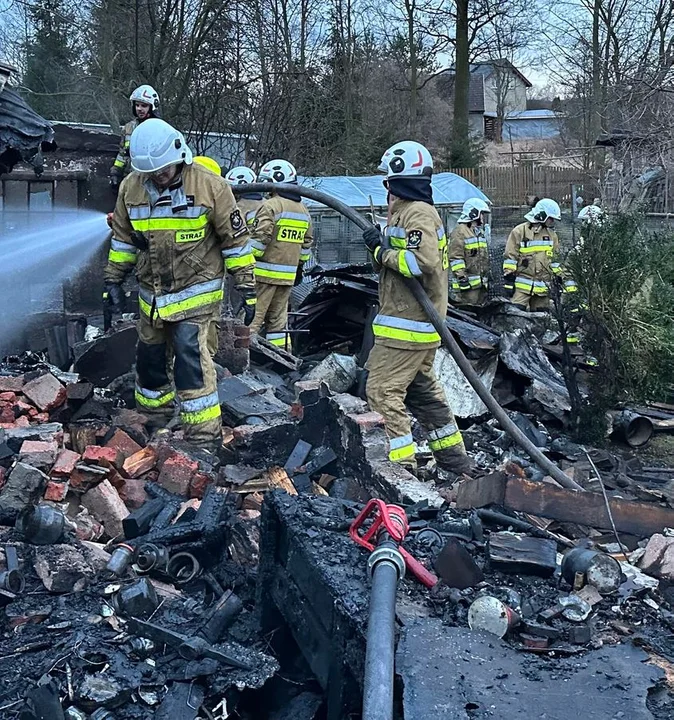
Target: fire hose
column 438, row 323
column 386, row 565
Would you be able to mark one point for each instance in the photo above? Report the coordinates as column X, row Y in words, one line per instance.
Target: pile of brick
column 62, row 445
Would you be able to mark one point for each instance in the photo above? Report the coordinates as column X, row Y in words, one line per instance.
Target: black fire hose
column 438, row 323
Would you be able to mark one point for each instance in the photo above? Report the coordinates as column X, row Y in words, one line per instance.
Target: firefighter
column 469, row 253
column 248, row 203
column 178, row 226
column 530, row 260
column 401, row 362
column 144, row 105
column 281, row 241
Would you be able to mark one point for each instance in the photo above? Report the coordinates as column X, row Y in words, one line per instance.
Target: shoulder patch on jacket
column 236, row 220
column 414, row 238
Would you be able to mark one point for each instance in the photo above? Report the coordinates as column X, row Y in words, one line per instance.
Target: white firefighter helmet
column 472, row 210
column 240, row 175
column 592, row 214
column 278, row 171
column 542, row 210
column 145, row 94
column 406, row 159
column 155, row 145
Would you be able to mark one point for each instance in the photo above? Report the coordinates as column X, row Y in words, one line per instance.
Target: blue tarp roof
column 448, row 189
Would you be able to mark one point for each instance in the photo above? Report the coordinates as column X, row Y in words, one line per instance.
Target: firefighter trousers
column 272, row 311
column 173, row 361
column 532, row 303
column 472, row 297
column 399, row 377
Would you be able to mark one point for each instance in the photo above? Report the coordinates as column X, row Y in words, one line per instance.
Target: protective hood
column 412, row 188
column 287, row 195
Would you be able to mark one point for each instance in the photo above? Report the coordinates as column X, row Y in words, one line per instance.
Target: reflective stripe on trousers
column 412, row 331
column 154, row 398
column 401, row 448
column 200, row 409
column 445, row 437
column 274, row 271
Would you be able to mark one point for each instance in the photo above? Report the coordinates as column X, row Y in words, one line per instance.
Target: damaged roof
column 23, row 133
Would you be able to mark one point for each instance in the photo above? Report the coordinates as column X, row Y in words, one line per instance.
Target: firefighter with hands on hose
column 469, row 253
column 248, row 203
column 281, row 238
column 531, row 261
column 177, row 225
column 400, row 365
column 144, row 105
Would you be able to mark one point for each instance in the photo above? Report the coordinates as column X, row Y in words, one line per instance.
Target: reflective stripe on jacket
column 415, row 246
column 468, row 257
column 193, row 232
column 121, row 165
column 281, row 238
column 531, row 252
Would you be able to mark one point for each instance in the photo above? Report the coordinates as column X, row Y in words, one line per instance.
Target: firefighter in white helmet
column 531, row 259
column 144, row 105
column 400, row 365
column 249, row 203
column 281, row 239
column 469, row 253
column 177, row 225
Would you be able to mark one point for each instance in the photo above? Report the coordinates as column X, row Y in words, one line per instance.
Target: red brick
column 56, row 491
column 140, row 462
column 124, row 443
column 24, row 408
column 23, row 421
column 7, row 414
column 41, row 418
column 199, row 483
column 65, row 463
column 177, row 473
column 39, row 446
column 8, row 397
column 96, row 455
column 46, row 392
column 11, row 384
column 133, row 493
column 369, row 420
column 105, row 504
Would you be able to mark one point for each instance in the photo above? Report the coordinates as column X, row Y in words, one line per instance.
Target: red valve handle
column 394, row 522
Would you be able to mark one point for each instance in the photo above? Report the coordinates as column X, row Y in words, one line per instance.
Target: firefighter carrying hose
column 469, row 253
column 531, row 260
column 144, row 105
column 281, row 242
column 248, row 203
column 401, row 362
column 178, row 226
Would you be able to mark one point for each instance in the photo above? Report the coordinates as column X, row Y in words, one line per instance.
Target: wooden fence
column 510, row 185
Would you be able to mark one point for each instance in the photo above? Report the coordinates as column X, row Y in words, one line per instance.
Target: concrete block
column 39, row 453
column 23, row 488
column 62, row 568
column 105, row 504
column 84, row 477
column 45, row 392
column 11, row 384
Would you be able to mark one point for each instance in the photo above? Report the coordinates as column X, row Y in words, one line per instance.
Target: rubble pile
column 142, row 578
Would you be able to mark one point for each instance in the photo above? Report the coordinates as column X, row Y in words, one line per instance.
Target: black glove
column 299, row 274
column 509, row 284
column 114, row 298
column 247, row 304
column 114, row 180
column 139, row 240
column 372, row 238
column 464, row 283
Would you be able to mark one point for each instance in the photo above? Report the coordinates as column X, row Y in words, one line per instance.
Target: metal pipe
column 438, row 323
column 380, row 650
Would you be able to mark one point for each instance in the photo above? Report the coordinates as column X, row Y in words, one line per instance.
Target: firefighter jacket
column 468, row 257
column 180, row 241
column 121, row 166
column 531, row 255
column 415, row 245
column 281, row 239
column 248, row 208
